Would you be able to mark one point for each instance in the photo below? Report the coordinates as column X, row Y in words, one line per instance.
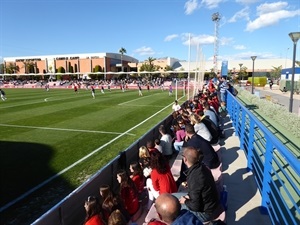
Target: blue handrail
column 275, row 168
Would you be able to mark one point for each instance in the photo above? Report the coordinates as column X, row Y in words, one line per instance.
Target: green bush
column 280, row 114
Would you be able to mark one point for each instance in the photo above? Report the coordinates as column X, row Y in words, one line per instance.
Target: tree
column 122, row 51
column 276, row 72
column 30, row 67
column 298, row 63
column 11, row 68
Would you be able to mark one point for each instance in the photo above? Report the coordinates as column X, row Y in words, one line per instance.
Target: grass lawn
column 46, row 133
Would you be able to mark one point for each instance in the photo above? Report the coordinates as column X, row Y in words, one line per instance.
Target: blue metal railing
column 275, row 168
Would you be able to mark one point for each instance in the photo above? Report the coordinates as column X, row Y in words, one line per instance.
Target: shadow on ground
column 23, row 166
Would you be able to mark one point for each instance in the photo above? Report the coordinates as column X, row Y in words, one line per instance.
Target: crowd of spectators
column 195, row 130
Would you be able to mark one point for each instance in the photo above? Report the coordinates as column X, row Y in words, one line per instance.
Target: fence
column 70, row 210
column 275, row 168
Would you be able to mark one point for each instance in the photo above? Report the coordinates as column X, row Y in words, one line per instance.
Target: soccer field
column 60, row 134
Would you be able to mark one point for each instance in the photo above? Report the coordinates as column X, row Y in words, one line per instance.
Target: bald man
column 169, row 211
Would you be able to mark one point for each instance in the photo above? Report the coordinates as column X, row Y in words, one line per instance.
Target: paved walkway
column 280, row 97
column 243, row 195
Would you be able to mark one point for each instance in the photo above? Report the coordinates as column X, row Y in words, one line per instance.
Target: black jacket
column 201, row 189
column 210, row 158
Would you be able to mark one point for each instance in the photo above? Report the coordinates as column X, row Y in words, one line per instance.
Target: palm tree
column 276, row 72
column 12, row 68
column 122, row 51
column 150, row 60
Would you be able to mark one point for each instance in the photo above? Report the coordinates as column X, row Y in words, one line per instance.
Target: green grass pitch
column 43, row 133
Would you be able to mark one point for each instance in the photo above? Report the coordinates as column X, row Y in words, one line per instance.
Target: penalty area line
column 141, row 97
column 77, row 162
column 63, row 129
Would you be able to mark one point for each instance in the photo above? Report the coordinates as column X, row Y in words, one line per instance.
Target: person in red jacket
column 93, row 212
column 128, row 192
column 161, row 179
column 137, row 176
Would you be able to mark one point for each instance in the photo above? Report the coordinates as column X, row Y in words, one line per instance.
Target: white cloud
column 190, row 6
column 144, row 51
column 247, row 2
column 200, row 39
column 242, row 14
column 170, row 37
column 270, row 7
column 211, row 4
column 271, row 18
column 239, row 47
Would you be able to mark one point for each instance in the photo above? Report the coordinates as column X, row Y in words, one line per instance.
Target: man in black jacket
column 210, row 157
column 202, row 198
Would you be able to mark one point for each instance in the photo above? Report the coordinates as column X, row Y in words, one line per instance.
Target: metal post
column 295, row 37
column 253, row 59
column 241, row 64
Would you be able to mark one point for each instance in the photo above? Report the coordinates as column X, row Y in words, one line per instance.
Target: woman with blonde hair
column 200, row 127
column 144, row 160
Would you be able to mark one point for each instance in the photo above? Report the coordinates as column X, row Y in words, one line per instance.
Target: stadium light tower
column 216, row 18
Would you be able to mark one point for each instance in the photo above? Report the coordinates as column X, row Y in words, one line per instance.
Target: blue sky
column 149, row 28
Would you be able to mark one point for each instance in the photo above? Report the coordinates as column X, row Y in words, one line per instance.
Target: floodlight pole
column 295, row 36
column 241, row 64
column 253, row 59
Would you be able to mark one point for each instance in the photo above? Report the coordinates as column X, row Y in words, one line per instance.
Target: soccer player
column 93, row 91
column 2, row 93
column 140, row 90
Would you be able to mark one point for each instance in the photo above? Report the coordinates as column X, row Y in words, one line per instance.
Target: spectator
column 211, row 114
column 158, row 145
column 161, row 179
column 200, row 127
column 117, row 218
column 151, row 146
column 176, row 107
column 128, row 192
column 179, row 137
column 213, row 129
column 166, row 142
column 202, row 198
column 169, row 211
column 93, row 211
column 210, row 157
column 222, row 88
column 144, row 160
column 111, row 202
column 137, row 176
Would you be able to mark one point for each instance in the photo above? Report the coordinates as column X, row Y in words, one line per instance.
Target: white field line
column 77, row 162
column 41, row 101
column 62, row 129
column 152, row 106
column 141, row 97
